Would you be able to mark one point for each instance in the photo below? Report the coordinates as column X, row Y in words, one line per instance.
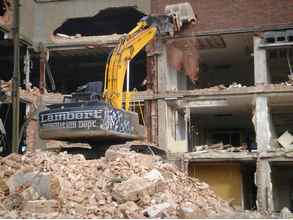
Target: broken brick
column 41, row 206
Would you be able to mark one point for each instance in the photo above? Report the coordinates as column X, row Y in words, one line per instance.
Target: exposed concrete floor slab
column 220, row 156
column 268, row 90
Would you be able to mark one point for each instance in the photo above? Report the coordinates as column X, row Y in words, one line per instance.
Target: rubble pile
column 220, row 147
column 123, row 184
column 30, row 94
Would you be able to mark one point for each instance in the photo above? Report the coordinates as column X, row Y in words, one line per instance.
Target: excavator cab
column 88, row 92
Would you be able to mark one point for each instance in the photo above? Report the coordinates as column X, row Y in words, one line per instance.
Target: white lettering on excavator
column 87, row 124
column 70, row 116
column 72, row 124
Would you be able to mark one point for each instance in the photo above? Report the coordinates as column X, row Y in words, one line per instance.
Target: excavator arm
column 135, row 41
column 116, row 67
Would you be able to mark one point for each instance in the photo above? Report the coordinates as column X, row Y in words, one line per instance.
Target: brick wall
column 235, row 15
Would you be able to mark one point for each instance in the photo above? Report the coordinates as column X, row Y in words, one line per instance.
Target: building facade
column 218, row 95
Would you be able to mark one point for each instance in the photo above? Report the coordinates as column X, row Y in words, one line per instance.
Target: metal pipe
column 42, row 81
column 127, row 76
column 127, row 97
column 27, row 65
column 289, row 61
column 15, row 79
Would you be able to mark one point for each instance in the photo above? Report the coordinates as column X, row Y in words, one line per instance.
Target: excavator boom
column 132, row 43
column 116, row 68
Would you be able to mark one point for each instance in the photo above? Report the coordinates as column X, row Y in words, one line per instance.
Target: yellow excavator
column 92, row 114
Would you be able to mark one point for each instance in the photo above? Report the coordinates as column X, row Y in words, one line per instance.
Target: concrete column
column 147, row 119
column 263, row 125
column 162, row 123
column 264, row 186
column 264, row 139
column 261, row 71
column 42, row 81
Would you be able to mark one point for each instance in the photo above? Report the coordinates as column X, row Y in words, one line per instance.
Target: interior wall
column 224, row 179
column 168, row 134
column 176, row 131
column 180, row 126
column 27, row 19
column 282, row 178
column 182, row 81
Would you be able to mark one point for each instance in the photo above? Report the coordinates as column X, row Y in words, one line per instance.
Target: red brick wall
column 236, row 15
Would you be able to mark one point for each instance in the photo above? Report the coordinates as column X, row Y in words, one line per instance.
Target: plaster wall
column 44, row 18
column 224, row 179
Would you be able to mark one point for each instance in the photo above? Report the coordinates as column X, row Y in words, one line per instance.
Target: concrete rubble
column 123, row 184
column 30, row 95
column 286, row 140
column 220, row 147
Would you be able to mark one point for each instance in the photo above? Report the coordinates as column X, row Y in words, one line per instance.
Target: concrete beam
column 162, row 123
column 265, row 90
column 220, row 156
column 84, row 42
column 202, row 103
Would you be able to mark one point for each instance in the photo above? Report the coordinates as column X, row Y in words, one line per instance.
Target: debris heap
column 123, row 184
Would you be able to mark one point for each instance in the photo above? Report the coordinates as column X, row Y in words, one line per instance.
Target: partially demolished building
column 218, row 95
